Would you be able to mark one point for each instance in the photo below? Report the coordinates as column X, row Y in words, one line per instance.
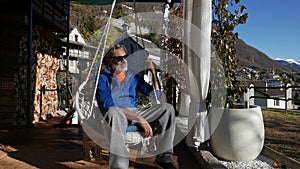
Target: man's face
column 119, row 62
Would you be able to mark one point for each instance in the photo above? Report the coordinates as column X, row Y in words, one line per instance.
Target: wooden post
column 68, row 55
column 29, row 113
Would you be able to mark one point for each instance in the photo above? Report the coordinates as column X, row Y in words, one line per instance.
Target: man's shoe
column 169, row 165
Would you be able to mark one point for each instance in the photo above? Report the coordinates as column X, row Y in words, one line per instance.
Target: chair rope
column 103, row 50
column 79, row 99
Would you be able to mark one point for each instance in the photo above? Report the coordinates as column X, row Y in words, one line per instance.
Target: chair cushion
column 133, row 134
column 134, row 128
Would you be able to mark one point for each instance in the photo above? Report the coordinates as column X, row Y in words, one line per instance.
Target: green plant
column 226, row 16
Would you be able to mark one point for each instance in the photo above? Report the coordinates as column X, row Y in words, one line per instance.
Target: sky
column 273, row 27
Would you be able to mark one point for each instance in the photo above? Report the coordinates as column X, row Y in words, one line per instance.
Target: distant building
column 273, row 83
column 296, row 97
column 78, row 60
column 78, row 50
column 266, row 97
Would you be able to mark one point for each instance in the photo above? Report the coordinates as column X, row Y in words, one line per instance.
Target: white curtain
column 197, row 52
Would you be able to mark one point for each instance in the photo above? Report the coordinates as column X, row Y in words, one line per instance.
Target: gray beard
column 123, row 67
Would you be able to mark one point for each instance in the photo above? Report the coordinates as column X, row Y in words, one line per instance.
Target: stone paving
column 44, row 146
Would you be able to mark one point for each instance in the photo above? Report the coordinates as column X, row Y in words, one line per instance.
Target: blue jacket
column 110, row 92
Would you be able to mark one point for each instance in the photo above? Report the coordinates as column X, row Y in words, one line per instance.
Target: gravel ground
column 261, row 162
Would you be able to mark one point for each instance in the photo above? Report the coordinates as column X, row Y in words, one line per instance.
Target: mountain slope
column 249, row 56
column 289, row 62
column 89, row 18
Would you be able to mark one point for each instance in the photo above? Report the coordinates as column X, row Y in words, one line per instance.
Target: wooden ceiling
column 51, row 13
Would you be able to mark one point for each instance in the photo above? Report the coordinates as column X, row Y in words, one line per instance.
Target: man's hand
column 140, row 120
column 150, row 66
column 146, row 126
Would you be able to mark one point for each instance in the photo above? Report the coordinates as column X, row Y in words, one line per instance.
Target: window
column 276, row 102
column 72, row 64
column 76, row 38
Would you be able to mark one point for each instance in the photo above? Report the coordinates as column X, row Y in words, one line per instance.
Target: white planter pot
column 239, row 135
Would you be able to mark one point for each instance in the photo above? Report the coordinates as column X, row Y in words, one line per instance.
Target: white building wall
column 75, row 33
column 276, row 104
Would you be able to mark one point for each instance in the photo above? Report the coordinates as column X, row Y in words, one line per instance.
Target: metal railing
column 285, row 88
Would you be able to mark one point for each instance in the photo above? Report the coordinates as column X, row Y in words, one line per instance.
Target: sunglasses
column 119, row 58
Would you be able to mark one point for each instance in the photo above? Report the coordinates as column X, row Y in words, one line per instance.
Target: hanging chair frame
column 133, row 135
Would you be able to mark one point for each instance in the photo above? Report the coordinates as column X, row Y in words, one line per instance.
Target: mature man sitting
column 117, row 100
